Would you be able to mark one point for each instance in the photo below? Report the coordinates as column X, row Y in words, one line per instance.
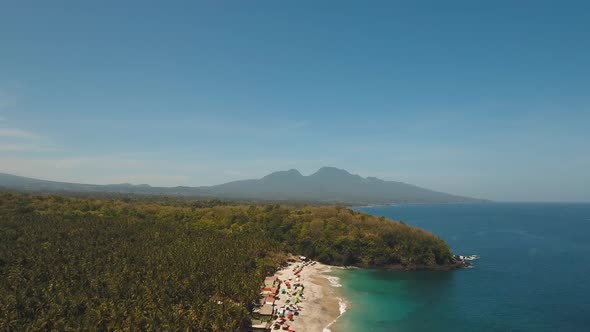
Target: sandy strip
column 321, row 305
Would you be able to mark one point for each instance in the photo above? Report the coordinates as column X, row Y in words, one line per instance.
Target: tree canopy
column 70, row 263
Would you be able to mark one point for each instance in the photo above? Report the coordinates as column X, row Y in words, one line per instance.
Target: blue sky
column 487, row 99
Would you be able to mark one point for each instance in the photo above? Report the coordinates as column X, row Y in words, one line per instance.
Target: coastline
column 332, row 285
column 323, row 303
column 356, row 207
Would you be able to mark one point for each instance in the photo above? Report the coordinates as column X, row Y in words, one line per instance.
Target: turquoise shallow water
column 533, row 274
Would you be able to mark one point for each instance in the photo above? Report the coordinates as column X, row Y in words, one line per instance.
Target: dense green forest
column 70, row 263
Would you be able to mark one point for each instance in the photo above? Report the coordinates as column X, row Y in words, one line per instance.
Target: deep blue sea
column 533, row 273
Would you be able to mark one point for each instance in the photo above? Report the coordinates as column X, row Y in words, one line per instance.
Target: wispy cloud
column 19, row 140
column 135, row 168
column 154, row 179
column 26, row 147
column 105, row 169
column 18, row 133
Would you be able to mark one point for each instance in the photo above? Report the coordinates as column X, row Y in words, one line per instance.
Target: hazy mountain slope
column 328, row 184
column 35, row 185
column 332, row 185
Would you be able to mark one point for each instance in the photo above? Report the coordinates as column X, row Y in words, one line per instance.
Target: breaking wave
column 334, row 281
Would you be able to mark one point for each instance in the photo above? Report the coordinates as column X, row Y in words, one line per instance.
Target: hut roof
column 266, row 310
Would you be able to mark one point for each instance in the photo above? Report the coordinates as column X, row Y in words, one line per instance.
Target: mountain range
column 328, row 185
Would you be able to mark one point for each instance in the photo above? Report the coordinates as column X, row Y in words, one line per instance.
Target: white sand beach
column 320, row 304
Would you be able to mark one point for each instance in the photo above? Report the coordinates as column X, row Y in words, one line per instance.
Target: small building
column 260, row 325
column 270, row 299
column 270, row 281
column 269, row 290
column 262, row 318
column 266, row 311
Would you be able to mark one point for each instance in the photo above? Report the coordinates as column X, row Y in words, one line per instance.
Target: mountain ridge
column 327, row 185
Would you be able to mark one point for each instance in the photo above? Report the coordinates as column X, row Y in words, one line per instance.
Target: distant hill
column 331, row 184
column 328, row 184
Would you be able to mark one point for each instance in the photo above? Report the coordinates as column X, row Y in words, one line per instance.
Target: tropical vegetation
column 149, row 263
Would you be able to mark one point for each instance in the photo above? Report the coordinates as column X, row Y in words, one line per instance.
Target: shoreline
column 322, row 304
column 330, row 285
column 368, row 205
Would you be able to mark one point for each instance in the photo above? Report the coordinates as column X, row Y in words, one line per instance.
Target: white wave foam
column 334, row 281
column 342, row 307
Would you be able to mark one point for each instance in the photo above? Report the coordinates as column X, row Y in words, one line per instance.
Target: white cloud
column 18, row 133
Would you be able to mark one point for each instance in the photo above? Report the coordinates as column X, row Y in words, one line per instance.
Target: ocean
column 533, row 273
